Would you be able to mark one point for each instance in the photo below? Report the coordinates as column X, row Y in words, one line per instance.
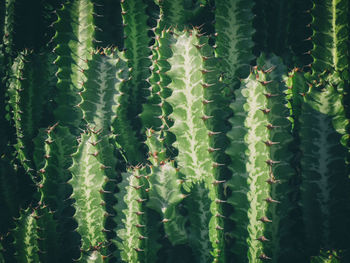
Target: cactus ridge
column 193, row 92
column 330, row 35
column 322, row 105
column 30, row 73
column 137, row 54
column 259, row 139
column 52, row 148
column 35, row 236
column 233, row 43
column 163, row 197
column 74, row 43
column 90, row 172
column 104, row 98
column 179, row 13
column 130, row 218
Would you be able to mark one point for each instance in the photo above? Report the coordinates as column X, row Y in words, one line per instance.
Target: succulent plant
column 174, row 131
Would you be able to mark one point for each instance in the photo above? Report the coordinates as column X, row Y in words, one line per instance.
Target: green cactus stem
column 105, row 99
column 130, row 218
column 260, row 160
column 234, row 43
column 137, row 53
column 179, row 13
column 35, row 236
column 194, row 101
column 330, row 35
column 53, row 147
column 74, row 36
column 92, row 168
column 164, row 195
column 28, row 101
column 323, row 168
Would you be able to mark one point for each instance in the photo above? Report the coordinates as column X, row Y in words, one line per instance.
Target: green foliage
column 174, row 131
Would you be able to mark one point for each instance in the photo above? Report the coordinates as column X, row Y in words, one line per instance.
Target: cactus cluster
column 174, row 131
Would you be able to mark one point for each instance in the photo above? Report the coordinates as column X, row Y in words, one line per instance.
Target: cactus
column 107, row 110
column 174, row 131
column 90, row 171
column 74, row 43
column 28, row 85
column 234, row 43
column 321, row 106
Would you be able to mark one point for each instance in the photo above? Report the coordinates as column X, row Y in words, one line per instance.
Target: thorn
column 205, row 102
column 269, row 95
column 103, row 167
column 219, row 215
column 139, row 226
column 262, row 239
column 95, row 143
column 215, row 164
column 271, row 162
column 165, row 220
column 210, row 149
column 104, row 192
column 272, row 180
column 269, row 70
column 264, row 82
column 270, row 200
column 265, row 111
column 270, row 143
column 218, row 201
column 264, row 219
column 205, row 71
column 219, row 227
column 136, row 187
column 95, row 154
column 211, row 133
column 264, row 257
column 139, row 213
column 216, row 182
column 270, row 126
column 206, row 85
column 205, row 117
column 199, row 46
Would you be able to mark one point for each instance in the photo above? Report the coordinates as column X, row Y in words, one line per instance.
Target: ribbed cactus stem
column 130, row 219
column 261, row 131
column 194, row 89
column 90, row 172
column 74, row 43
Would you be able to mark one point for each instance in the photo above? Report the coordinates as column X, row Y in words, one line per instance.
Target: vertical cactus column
column 137, row 53
column 194, row 88
column 52, row 157
column 234, row 41
column 330, row 35
column 179, row 13
column 260, row 161
column 28, row 100
column 92, row 168
column 35, row 236
column 156, row 110
column 130, row 218
column 323, row 166
column 74, row 36
column 105, row 100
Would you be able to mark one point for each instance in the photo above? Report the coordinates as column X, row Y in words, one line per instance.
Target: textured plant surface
column 174, row 131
